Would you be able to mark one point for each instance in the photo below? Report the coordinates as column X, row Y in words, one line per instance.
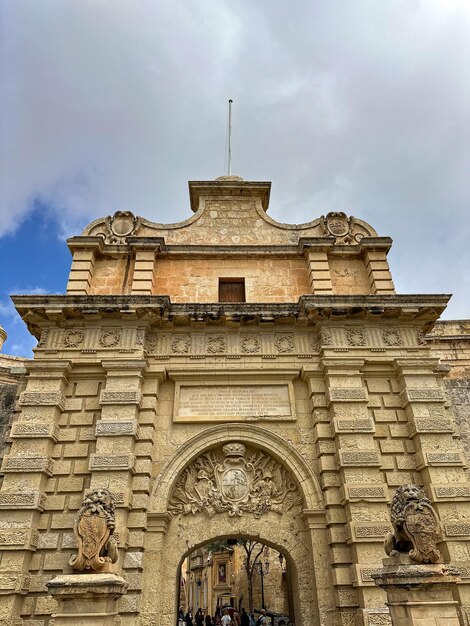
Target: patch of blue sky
column 34, row 259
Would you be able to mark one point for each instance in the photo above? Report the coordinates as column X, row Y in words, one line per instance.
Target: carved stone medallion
column 215, row 344
column 73, row 337
column 355, row 337
column 110, row 338
column 121, row 225
column 250, row 344
column 337, row 224
column 181, row 344
column 391, row 337
column 236, row 483
column 284, row 343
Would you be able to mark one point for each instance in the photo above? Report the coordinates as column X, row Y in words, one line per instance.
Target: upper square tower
column 230, row 239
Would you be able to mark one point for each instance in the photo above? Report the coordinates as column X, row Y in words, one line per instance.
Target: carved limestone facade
column 289, row 416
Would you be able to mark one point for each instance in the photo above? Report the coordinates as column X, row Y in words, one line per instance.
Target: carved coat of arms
column 234, row 484
column 415, row 526
column 337, row 224
column 94, row 530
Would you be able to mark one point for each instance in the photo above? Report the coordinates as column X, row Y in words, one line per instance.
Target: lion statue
column 415, row 526
column 94, row 531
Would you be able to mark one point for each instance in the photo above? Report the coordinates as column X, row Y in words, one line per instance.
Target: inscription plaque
column 233, row 402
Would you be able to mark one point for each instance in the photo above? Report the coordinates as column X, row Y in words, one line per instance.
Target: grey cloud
column 356, row 106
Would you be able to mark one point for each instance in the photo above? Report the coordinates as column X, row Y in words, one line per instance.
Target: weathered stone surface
column 325, row 375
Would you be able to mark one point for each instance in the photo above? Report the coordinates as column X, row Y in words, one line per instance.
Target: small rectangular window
column 232, row 290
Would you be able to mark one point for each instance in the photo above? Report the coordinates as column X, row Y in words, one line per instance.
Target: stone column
column 152, row 609
column 440, row 459
column 86, row 599
column 27, row 468
column 123, row 459
column 316, row 524
column 357, row 511
column 418, row 594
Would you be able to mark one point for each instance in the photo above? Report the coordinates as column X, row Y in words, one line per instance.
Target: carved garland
column 234, row 484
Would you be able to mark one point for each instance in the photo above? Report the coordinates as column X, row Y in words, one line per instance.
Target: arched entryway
column 196, row 498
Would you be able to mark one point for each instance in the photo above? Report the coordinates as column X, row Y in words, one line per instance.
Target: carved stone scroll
column 94, row 529
column 415, row 526
column 235, row 483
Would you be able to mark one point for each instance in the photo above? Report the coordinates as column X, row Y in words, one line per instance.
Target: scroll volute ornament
column 94, row 528
column 415, row 526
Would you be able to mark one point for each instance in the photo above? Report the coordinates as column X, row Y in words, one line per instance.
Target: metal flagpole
column 230, row 137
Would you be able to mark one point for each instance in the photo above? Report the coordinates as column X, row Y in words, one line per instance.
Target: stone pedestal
column 86, row 599
column 419, row 594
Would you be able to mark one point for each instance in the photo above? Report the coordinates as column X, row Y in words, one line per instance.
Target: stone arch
column 165, row 551
column 258, row 437
column 299, row 533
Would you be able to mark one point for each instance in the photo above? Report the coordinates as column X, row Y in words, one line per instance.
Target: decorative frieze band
column 367, row 493
column 37, row 430
column 363, row 425
column 346, row 394
column 120, row 397
column 27, row 464
column 18, row 539
column 359, row 458
column 111, row 462
column 106, row 428
column 368, row 531
column 22, row 500
column 425, row 394
column 42, row 398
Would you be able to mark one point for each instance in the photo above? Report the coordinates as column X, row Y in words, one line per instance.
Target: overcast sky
column 353, row 105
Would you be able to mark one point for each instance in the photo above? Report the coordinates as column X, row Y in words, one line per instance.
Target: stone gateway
column 226, row 377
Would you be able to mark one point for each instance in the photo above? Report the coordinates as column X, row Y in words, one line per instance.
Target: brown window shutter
column 231, row 290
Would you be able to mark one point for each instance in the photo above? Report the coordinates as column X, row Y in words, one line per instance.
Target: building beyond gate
column 229, row 377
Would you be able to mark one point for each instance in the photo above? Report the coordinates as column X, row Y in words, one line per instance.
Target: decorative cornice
column 38, row 310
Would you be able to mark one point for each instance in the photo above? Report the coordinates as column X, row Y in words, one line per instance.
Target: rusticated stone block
column 460, row 529
column 346, row 394
column 111, row 462
column 365, row 492
column 36, row 430
column 120, row 397
column 359, row 458
column 22, row 500
column 43, row 465
column 425, row 394
column 106, row 428
column 451, row 492
column 37, row 398
column 364, row 425
column 18, row 539
column 368, row 531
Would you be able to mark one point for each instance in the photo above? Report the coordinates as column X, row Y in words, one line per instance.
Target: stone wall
column 12, row 375
column 450, row 341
